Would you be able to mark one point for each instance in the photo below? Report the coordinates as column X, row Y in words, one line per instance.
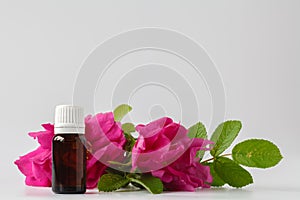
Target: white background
column 254, row 44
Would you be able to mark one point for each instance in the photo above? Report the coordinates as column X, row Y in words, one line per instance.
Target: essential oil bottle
column 68, row 151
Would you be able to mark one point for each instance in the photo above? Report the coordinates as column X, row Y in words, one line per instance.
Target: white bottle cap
column 68, row 119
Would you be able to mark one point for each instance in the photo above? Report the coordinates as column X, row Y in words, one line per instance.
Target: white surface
column 281, row 182
column 218, row 193
column 255, row 45
column 257, row 192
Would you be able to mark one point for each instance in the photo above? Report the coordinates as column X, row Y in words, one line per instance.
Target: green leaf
column 150, row 183
column 112, row 182
column 130, row 142
column 217, row 181
column 198, row 131
column 232, row 173
column 256, row 153
column 224, row 136
column 128, row 127
column 121, row 111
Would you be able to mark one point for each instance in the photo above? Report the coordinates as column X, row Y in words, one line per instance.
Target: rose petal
column 164, row 141
column 95, row 170
column 44, row 137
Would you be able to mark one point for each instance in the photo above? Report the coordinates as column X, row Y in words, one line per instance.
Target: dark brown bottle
column 68, row 151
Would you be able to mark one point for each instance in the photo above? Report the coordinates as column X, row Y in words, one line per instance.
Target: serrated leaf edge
column 214, row 151
column 252, row 181
column 199, row 124
column 116, row 186
column 233, row 155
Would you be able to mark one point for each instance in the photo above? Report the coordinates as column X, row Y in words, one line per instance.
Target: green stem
column 118, row 163
column 210, row 159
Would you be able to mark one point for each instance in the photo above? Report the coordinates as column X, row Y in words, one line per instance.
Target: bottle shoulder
column 68, row 137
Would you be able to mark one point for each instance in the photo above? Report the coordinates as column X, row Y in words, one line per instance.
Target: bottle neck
column 69, row 130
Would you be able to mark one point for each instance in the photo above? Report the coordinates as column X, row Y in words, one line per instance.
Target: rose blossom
column 164, row 149
column 100, row 129
column 107, row 140
column 37, row 165
column 186, row 173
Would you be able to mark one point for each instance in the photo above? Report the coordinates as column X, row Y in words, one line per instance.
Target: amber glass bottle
column 68, row 151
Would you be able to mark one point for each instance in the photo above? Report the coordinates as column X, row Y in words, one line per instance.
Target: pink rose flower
column 107, row 141
column 100, row 130
column 164, row 149
column 186, row 173
column 37, row 165
column 105, row 136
